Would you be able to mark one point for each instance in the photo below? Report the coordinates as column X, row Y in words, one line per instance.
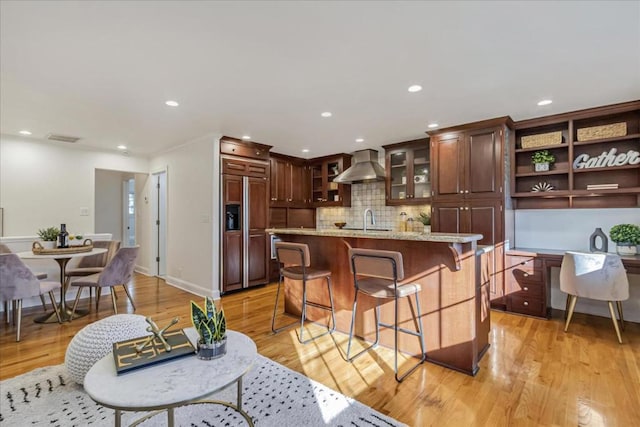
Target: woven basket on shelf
column 541, row 140
column 604, row 131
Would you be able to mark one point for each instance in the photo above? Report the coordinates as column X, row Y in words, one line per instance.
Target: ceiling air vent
column 62, row 138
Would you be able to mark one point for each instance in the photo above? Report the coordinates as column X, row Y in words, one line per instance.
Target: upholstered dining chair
column 95, row 263
column 376, row 273
column 598, row 276
column 18, row 282
column 117, row 273
column 4, row 249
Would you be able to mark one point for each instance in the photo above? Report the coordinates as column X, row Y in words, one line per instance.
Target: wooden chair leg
column 566, row 306
column 113, row 300
column 18, row 319
column 7, row 311
column 619, row 304
column 55, row 307
column 44, row 304
column 615, row 322
column 572, row 306
column 128, row 295
column 98, row 292
column 75, row 303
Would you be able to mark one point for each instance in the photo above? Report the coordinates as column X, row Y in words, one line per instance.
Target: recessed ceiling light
column 25, row 132
column 172, row 103
column 432, row 125
column 359, row 140
column 247, row 137
column 545, row 102
column 122, row 147
column 326, row 114
column 415, row 88
column 305, row 150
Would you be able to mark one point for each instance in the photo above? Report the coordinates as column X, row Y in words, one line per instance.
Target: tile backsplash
column 363, row 196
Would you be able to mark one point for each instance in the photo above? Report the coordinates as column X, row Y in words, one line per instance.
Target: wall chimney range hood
column 364, row 169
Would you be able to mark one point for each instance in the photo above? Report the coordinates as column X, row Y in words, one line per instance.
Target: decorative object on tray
column 211, row 326
column 38, row 249
column 598, row 241
column 541, row 140
column 340, row 224
column 605, row 131
column 626, row 237
column 49, row 236
column 75, row 240
column 542, row 160
column 160, row 346
column 542, row 186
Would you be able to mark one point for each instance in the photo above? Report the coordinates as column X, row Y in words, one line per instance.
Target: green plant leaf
column 198, row 316
column 206, row 334
column 210, row 307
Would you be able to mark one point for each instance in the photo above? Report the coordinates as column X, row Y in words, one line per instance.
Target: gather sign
column 607, row 159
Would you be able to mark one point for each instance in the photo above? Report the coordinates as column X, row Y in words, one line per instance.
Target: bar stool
column 376, row 273
column 294, row 263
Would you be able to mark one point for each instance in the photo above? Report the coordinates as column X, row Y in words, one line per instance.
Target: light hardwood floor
column 533, row 374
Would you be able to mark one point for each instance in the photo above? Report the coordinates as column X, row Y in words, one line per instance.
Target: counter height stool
column 596, row 276
column 376, row 273
column 295, row 263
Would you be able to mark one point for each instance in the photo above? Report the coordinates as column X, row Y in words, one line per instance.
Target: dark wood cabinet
column 469, row 164
column 525, row 288
column 325, row 192
column 408, row 166
column 590, row 149
column 231, row 266
column 470, row 182
column 290, row 182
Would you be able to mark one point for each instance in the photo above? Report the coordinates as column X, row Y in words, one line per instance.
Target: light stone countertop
column 379, row 234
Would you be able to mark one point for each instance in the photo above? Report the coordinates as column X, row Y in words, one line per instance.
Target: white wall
column 108, row 205
column 192, row 216
column 44, row 184
column 567, row 229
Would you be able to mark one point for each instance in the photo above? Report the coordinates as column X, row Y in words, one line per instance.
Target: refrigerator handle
column 245, row 231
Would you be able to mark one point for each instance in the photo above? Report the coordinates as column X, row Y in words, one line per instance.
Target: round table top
column 31, row 255
column 172, row 383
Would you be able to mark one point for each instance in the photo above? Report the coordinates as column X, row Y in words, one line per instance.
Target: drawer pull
column 525, row 288
column 526, row 274
column 526, row 303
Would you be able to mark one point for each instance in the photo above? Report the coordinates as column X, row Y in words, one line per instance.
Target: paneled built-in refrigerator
column 244, row 259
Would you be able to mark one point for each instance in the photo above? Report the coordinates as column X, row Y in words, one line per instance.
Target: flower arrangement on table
column 626, row 237
column 211, row 325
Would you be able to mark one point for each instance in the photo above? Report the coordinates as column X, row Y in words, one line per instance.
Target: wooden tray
column 87, row 246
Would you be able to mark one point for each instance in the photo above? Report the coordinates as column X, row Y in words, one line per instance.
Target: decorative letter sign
column 610, row 159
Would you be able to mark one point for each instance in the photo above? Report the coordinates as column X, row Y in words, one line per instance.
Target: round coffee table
column 165, row 386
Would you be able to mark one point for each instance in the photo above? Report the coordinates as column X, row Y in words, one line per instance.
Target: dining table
column 62, row 259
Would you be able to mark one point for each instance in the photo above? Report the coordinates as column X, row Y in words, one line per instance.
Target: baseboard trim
column 191, row 287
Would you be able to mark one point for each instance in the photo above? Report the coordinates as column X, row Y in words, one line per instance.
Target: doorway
column 159, row 207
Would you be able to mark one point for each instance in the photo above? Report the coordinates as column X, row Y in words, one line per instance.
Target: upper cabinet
column 597, row 159
column 468, row 161
column 289, row 182
column 408, row 170
column 325, row 192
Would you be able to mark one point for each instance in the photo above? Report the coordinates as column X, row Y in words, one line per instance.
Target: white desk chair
column 597, row 276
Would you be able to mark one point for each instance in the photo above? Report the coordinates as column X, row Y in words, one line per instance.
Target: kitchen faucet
column 373, row 218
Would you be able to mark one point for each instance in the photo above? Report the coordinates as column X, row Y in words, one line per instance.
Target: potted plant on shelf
column 542, row 160
column 425, row 219
column 49, row 236
column 211, row 326
column 626, row 237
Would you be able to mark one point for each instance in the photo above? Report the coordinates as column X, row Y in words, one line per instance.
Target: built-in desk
column 528, row 278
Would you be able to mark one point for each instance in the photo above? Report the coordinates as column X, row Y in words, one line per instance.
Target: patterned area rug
column 273, row 395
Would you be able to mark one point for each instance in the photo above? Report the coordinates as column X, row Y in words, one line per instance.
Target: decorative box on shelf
column 604, row 131
column 541, row 140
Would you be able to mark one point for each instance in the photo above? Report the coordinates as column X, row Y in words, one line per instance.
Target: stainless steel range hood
column 365, row 169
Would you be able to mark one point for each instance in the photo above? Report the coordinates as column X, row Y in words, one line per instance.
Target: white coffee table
column 165, row 386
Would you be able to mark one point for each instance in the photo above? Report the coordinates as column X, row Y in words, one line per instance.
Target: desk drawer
column 524, row 268
column 524, row 289
column 526, row 305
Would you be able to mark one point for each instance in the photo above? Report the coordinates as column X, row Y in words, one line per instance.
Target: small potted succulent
column 626, row 237
column 425, row 219
column 211, row 326
column 49, row 236
column 542, row 160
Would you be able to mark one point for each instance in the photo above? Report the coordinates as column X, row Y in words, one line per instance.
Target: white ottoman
column 95, row 341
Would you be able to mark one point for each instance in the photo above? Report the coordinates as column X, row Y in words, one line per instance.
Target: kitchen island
column 455, row 290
